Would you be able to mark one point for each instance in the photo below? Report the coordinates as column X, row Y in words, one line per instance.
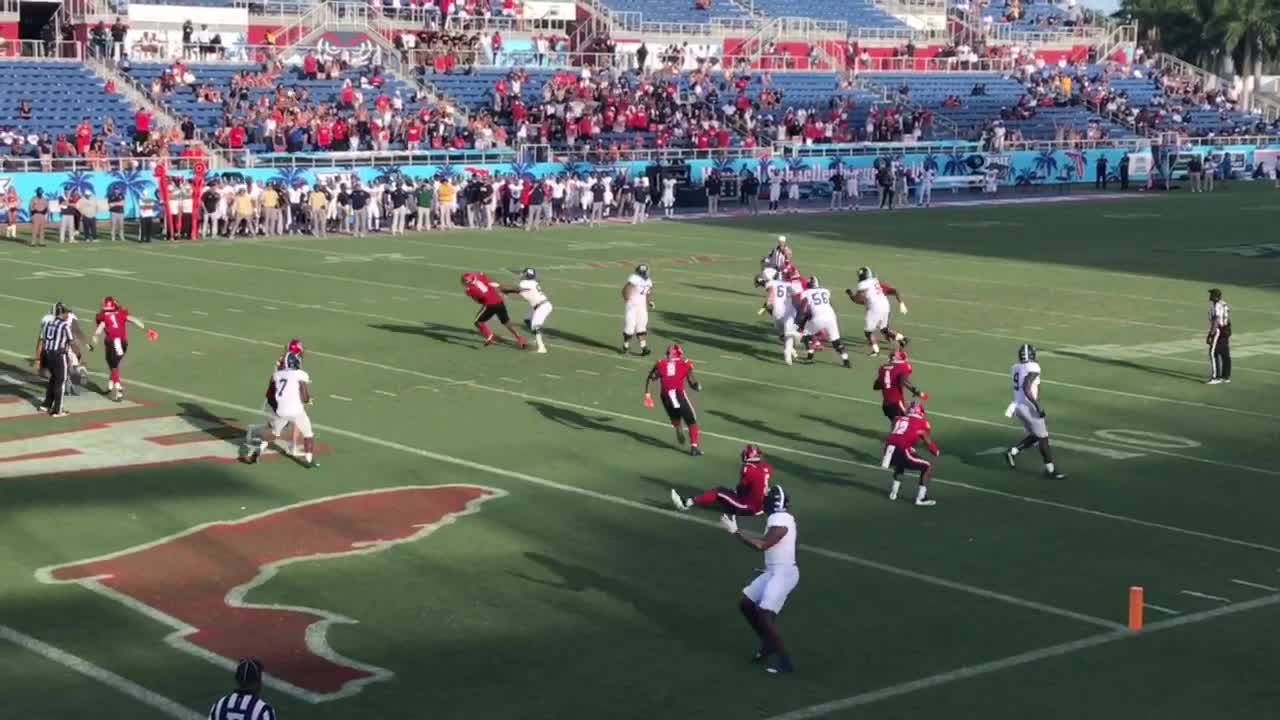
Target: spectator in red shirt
column 236, row 137
column 141, row 126
column 310, row 66
column 84, row 136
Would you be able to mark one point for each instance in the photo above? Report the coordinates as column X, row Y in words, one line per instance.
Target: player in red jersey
column 673, row 372
column 891, row 378
column 900, row 454
column 488, row 295
column 113, row 322
column 746, row 499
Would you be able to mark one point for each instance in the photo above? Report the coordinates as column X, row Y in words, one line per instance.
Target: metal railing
column 934, row 64
column 13, row 164
column 386, row 158
column 40, row 50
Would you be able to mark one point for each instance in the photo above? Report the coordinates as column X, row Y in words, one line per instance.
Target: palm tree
column 78, row 182
column 289, row 177
column 1250, row 30
column 955, row 164
column 1026, row 176
column 134, row 183
column 930, row 162
column 1046, row 163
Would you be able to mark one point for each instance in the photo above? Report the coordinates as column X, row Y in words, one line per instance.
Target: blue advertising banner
column 1015, row 169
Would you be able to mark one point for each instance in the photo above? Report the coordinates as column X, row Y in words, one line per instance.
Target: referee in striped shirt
column 1219, row 339
column 244, row 703
column 51, row 354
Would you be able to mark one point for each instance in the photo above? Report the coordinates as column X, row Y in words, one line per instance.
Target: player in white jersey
column 668, row 196
column 288, row 394
column 874, row 294
column 763, row 599
column 1026, row 407
column 780, row 304
column 637, row 301
column 539, row 305
column 819, row 318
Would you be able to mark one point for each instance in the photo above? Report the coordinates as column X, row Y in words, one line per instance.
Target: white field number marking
column 52, row 274
column 1146, row 439
column 369, row 258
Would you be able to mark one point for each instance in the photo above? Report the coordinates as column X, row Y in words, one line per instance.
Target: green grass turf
column 552, row 603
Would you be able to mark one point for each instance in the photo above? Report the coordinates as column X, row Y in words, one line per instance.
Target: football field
column 489, row 534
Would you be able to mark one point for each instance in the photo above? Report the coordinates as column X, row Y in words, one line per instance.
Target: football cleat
column 1055, row 475
column 846, row 362
column 678, row 501
column 782, row 667
column 60, row 413
column 926, row 502
column 680, row 436
column 1026, row 353
column 645, row 351
column 1010, row 458
column 695, row 451
column 1213, row 381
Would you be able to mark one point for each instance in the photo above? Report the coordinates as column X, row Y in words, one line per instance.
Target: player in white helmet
column 874, row 294
column 539, row 305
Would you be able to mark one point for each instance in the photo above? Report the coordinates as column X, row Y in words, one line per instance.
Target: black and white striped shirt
column 242, row 706
column 1219, row 316
column 55, row 333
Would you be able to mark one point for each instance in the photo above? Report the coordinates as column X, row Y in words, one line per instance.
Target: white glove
column 729, row 523
column 902, row 307
column 1008, row 412
column 760, row 311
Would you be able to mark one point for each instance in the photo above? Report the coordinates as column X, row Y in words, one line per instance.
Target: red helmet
column 109, row 303
column 916, row 408
column 675, row 352
column 468, row 278
column 295, row 347
column 789, row 272
column 899, row 356
column 751, row 454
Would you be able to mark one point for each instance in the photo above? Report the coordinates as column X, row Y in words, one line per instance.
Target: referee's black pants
column 58, row 366
column 1220, row 356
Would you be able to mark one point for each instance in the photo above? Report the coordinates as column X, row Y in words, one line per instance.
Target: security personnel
column 51, row 354
column 1219, row 339
column 244, row 703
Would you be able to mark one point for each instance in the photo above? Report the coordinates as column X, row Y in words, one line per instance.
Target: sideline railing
column 41, row 50
column 934, row 64
column 11, row 164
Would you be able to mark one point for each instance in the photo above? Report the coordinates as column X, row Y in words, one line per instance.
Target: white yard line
column 196, row 352
column 1206, row 596
column 384, row 392
column 343, row 398
column 648, row 508
column 199, row 312
column 163, row 315
column 150, row 698
column 1255, row 585
column 504, row 378
column 1013, row 661
column 234, row 310
column 1160, row 609
column 829, row 458
column 553, row 376
column 588, row 372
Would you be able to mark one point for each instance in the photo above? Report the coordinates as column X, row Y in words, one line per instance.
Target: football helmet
column 789, row 272
column 675, row 352
column 293, row 361
column 865, row 273
column 295, row 347
column 468, row 278
column 1215, row 295
column 776, row 500
column 916, row 409
column 813, row 282
column 529, row 274
column 109, row 303
column 751, row 454
column 782, row 239
column 761, row 279
column 643, row 270
column 899, row 356
column 1026, row 353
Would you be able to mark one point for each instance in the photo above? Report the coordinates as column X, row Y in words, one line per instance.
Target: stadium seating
column 858, row 13
column 680, row 11
column 61, row 95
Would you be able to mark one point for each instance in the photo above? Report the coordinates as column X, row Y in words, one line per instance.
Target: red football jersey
column 893, row 378
column 483, row 291
column 115, row 321
column 753, row 483
column 907, row 431
column 672, row 373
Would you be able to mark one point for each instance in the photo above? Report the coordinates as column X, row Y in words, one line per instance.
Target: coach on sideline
column 51, row 353
column 244, row 703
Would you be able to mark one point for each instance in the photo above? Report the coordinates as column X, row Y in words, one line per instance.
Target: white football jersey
column 288, row 383
column 1020, row 373
column 642, row 288
column 780, row 295
column 532, row 293
column 783, row 552
column 819, row 303
column 872, row 293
